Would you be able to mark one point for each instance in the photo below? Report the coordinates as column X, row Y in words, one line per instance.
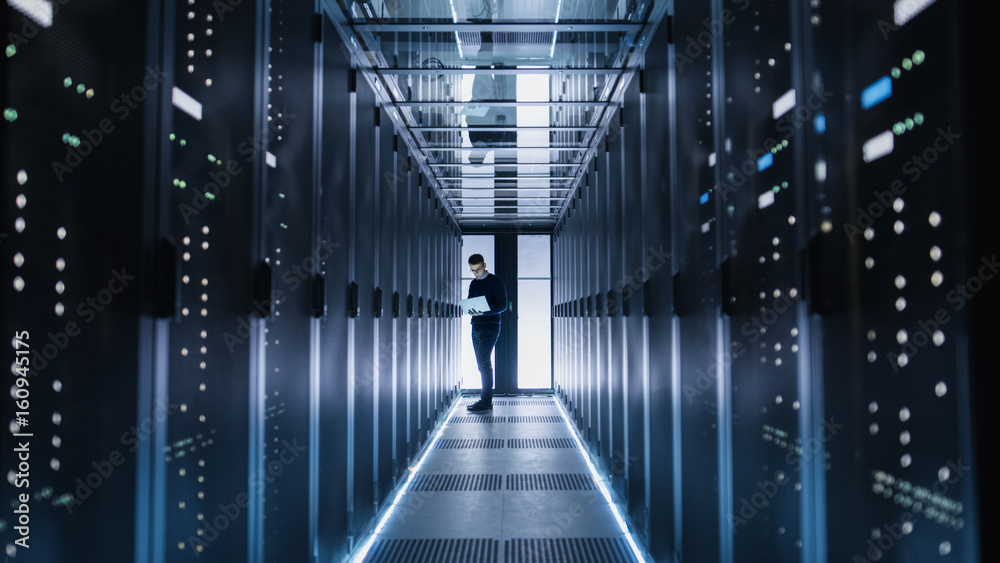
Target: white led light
column 271, row 159
column 184, row 102
column 784, row 104
column 878, row 146
column 820, row 170
column 905, row 10
column 600, row 483
column 765, row 199
column 362, row 551
column 40, row 11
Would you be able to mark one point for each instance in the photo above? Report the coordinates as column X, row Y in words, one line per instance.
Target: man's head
column 478, row 265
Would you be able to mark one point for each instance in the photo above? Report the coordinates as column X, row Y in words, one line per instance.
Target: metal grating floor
column 496, row 490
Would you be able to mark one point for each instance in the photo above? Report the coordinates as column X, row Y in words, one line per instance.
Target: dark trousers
column 484, row 338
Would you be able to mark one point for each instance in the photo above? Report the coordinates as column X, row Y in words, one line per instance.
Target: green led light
column 282, row 196
column 80, row 88
column 74, row 141
column 11, row 50
column 909, row 124
column 183, row 184
column 775, row 189
column 183, row 143
column 211, row 158
column 918, row 118
column 10, row 114
column 918, row 57
column 899, row 128
column 784, row 184
column 210, row 195
column 66, row 137
column 172, row 136
column 177, row 182
column 90, row 93
column 784, row 143
column 284, row 226
column 774, row 150
column 907, row 64
column 67, row 82
column 895, row 72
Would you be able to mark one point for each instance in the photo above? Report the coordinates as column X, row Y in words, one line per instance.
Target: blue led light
column 765, row 162
column 703, row 199
column 877, row 92
column 819, row 123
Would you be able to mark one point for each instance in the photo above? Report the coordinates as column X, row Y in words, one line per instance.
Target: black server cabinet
column 214, row 475
column 386, row 351
column 606, row 367
column 643, row 260
column 363, row 264
column 81, row 93
column 901, row 479
column 662, row 459
column 333, row 522
column 295, row 249
column 402, row 289
column 704, row 375
column 761, row 192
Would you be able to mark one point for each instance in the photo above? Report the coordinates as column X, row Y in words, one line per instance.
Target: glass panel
column 467, row 79
column 534, row 335
column 482, row 11
column 473, row 244
column 533, row 256
column 534, row 312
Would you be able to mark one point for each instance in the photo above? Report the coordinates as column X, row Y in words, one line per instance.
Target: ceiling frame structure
column 577, row 124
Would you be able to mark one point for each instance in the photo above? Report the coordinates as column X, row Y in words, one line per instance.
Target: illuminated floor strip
column 362, row 551
column 600, row 483
column 392, row 538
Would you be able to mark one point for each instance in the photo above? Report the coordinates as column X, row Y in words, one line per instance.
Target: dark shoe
column 480, row 406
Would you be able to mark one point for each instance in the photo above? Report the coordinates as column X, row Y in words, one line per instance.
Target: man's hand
column 474, row 312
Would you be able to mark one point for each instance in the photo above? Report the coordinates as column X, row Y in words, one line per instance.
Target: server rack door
column 414, row 338
column 335, row 208
column 702, row 370
column 294, row 248
column 643, row 261
column 364, row 258
column 403, row 275
column 589, row 217
column 386, row 353
column 610, row 270
column 617, row 261
column 423, row 371
column 762, row 284
column 80, row 412
column 211, row 454
column 903, row 199
column 660, row 463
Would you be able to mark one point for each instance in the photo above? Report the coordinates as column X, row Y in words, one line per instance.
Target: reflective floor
column 507, row 486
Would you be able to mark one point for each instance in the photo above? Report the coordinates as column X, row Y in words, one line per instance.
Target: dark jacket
column 493, row 288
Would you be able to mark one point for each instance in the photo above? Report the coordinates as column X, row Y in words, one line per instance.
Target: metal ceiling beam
column 456, row 149
column 518, row 164
column 493, row 206
column 501, row 104
column 512, row 27
column 495, row 128
column 505, row 70
column 452, row 190
column 518, row 177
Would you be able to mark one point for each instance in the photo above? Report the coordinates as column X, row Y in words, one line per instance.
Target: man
column 485, row 325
